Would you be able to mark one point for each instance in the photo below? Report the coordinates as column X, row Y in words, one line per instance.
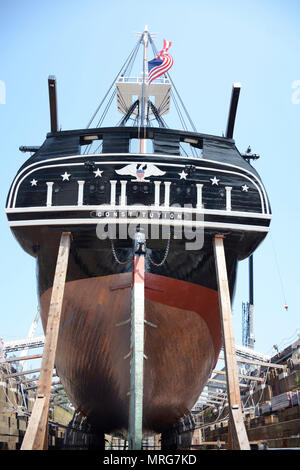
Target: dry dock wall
column 15, row 408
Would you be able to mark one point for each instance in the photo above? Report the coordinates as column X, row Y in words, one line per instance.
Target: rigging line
column 100, row 145
column 172, row 83
column 127, row 61
column 155, row 113
column 122, row 101
column 132, row 61
column 135, row 121
column 164, row 122
column 88, row 148
column 180, row 145
column 182, row 104
column 278, row 270
column 164, row 102
column 179, row 113
column 164, row 107
column 106, row 109
column 194, row 151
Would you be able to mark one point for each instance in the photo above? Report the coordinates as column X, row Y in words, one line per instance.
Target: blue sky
column 214, row 44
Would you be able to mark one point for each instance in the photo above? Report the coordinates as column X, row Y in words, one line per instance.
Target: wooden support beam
column 53, row 103
column 34, row 387
column 224, row 383
column 275, row 430
column 221, row 396
column 25, row 372
column 238, row 431
column 25, row 358
column 259, row 363
column 36, row 434
column 232, row 109
column 248, row 377
column 211, row 401
column 35, row 379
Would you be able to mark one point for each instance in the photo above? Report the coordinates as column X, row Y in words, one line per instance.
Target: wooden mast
column 143, row 142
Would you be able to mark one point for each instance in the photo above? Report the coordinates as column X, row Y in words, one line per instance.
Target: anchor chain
column 116, row 256
column 164, row 257
column 148, row 256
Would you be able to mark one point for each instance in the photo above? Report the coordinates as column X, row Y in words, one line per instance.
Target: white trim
column 49, row 193
column 106, row 207
column 199, row 195
column 113, row 184
column 133, row 156
column 40, row 168
column 123, row 197
column 80, row 192
column 157, row 193
column 228, row 197
column 167, row 193
column 137, row 221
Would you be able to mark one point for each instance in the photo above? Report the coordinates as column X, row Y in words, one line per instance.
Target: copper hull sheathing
column 92, row 353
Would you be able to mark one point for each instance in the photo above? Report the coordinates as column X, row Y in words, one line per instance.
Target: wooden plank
column 17, row 374
column 25, row 358
column 226, row 321
column 224, row 383
column 276, row 430
column 238, row 431
column 258, row 363
column 36, row 423
column 35, row 436
column 248, row 377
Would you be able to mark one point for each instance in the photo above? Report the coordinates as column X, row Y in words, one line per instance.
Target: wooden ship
column 188, row 188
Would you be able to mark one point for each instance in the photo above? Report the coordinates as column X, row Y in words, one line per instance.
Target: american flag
column 161, row 63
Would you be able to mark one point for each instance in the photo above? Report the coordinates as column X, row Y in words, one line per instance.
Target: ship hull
column 182, row 203
column 181, row 349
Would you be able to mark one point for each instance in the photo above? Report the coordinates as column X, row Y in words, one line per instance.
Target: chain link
column 165, row 255
column 116, row 257
column 147, row 255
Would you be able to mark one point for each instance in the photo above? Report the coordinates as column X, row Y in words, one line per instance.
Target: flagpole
column 143, row 142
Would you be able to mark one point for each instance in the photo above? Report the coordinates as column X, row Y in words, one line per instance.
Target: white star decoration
column 214, row 180
column 98, row 173
column 65, row 176
column 245, row 188
column 183, row 175
column 33, row 182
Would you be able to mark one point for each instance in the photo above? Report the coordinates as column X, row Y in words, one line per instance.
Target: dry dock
column 270, row 398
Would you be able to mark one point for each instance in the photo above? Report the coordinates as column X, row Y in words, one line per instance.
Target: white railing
column 139, row 79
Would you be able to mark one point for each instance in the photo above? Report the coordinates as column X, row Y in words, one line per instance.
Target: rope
column 278, row 271
column 124, row 67
column 155, row 52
